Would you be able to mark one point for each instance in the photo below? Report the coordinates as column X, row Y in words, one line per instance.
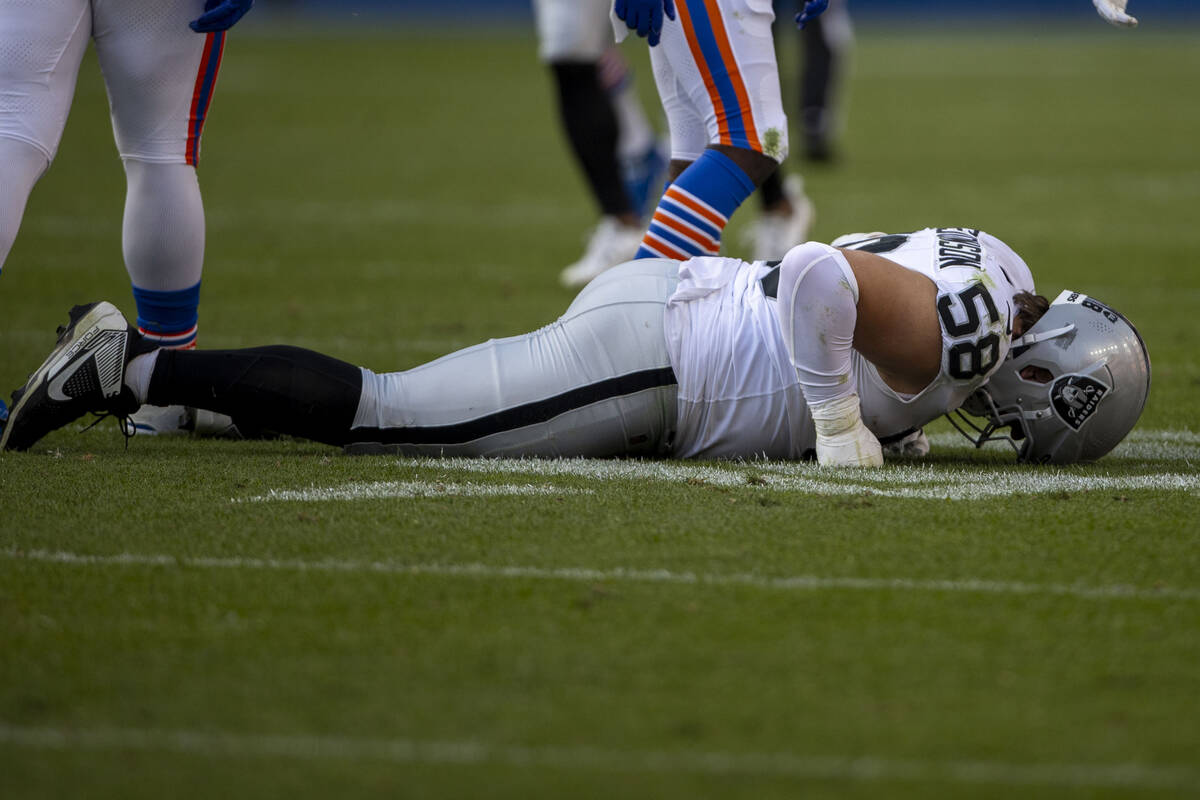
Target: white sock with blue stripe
column 169, row 319
column 163, row 243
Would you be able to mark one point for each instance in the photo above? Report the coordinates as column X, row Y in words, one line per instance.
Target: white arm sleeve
column 817, row 303
column 818, row 309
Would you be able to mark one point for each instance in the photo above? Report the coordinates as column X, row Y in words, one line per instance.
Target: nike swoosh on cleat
column 54, row 390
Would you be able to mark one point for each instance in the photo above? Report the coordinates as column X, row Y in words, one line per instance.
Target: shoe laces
column 124, row 424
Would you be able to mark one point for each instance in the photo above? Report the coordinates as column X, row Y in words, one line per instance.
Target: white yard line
column 1146, row 445
column 388, row 489
column 922, row 482
column 619, row 574
column 470, row 752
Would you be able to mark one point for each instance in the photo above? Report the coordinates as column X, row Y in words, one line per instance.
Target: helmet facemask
column 997, row 426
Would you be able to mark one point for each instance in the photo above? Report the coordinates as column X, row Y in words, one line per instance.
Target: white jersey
column 738, row 392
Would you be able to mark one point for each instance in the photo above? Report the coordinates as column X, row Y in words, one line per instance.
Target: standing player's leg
column 42, row 47
column 715, row 67
column 591, row 126
column 642, row 160
column 604, row 124
column 787, row 213
column 21, row 164
column 160, row 77
column 827, row 42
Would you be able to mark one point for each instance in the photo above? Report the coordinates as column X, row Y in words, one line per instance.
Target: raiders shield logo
column 1075, row 398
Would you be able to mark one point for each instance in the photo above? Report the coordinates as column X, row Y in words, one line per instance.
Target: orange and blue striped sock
column 695, row 209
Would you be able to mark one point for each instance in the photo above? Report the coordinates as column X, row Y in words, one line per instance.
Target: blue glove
column 646, row 16
column 220, row 15
column 812, row 10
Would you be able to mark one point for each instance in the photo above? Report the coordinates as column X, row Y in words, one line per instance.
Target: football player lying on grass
column 833, row 351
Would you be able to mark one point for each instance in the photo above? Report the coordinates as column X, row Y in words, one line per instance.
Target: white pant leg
column 597, row 382
column 572, row 30
column 160, row 76
column 41, row 46
column 837, row 29
column 686, row 123
column 21, row 164
column 720, row 71
column 42, row 43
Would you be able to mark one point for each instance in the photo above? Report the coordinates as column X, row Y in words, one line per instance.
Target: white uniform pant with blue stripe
column 159, row 73
column 597, row 382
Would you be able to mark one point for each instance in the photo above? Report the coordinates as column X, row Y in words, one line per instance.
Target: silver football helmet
column 1071, row 388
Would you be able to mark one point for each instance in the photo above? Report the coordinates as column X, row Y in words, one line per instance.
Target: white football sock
column 163, row 232
column 138, row 373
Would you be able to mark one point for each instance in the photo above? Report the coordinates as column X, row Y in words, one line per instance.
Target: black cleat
column 85, row 372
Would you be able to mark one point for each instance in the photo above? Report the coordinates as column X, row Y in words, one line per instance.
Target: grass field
column 190, row 618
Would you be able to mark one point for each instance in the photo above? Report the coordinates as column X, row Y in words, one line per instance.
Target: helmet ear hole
column 1036, row 374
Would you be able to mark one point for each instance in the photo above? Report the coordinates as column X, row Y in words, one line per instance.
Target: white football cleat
column 774, row 233
column 610, row 243
column 179, row 420
column 84, row 372
column 161, row 420
column 842, row 438
column 214, row 424
column 915, row 445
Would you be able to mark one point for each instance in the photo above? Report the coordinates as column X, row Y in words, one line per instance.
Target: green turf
column 387, row 198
